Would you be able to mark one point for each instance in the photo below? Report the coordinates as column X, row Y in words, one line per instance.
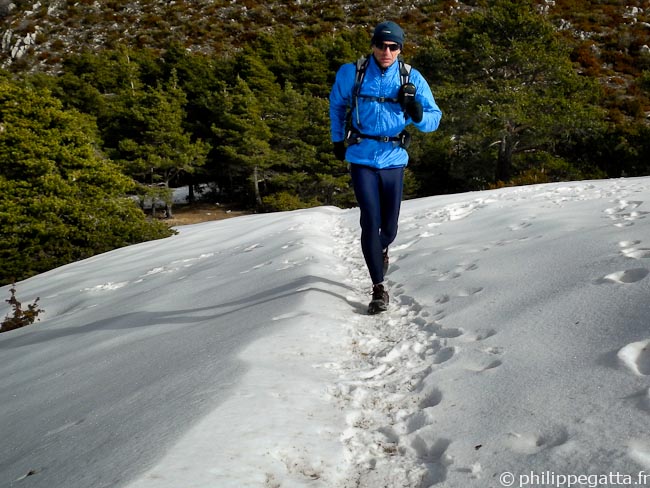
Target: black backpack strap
column 360, row 74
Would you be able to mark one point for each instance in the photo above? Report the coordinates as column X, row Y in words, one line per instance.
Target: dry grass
column 201, row 212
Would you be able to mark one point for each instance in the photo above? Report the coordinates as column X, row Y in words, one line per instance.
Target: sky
column 238, row 353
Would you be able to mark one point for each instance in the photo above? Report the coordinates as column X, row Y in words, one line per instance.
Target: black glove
column 406, row 98
column 339, row 150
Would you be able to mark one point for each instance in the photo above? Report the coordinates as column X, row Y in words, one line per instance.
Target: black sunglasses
column 382, row 46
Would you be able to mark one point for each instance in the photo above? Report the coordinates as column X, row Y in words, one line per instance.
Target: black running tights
column 379, row 195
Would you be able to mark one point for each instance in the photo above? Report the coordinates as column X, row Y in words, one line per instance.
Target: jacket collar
column 391, row 68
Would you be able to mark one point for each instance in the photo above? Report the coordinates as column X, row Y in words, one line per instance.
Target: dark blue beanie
column 388, row 31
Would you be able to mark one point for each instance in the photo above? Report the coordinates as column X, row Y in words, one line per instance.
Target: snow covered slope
column 238, row 353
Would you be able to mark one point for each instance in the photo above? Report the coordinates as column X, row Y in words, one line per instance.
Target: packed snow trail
column 385, row 385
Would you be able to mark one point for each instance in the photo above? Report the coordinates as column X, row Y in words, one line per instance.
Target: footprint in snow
column 496, row 351
column 480, row 335
column 430, row 398
column 636, row 357
column 625, row 213
column 534, row 442
column 624, row 244
column 444, row 355
column 622, row 206
column 468, row 292
column 455, row 273
column 623, row 224
column 519, row 226
column 447, row 275
column 635, row 253
column 625, row 277
column 461, row 293
column 434, row 457
column 449, row 333
column 487, row 366
column 417, row 421
column 641, row 253
column 408, row 302
column 640, row 452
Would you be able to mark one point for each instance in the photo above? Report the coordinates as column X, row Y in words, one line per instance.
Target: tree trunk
column 504, row 162
column 169, row 201
column 506, row 150
column 256, row 183
column 190, row 196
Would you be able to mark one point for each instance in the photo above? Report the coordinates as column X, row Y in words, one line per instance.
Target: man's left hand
column 415, row 111
column 408, row 102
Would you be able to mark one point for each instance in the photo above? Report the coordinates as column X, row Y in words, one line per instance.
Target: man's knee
column 387, row 236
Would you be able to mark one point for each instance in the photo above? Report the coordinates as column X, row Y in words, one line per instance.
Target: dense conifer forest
column 106, row 104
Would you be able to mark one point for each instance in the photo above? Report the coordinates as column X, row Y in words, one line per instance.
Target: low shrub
column 20, row 317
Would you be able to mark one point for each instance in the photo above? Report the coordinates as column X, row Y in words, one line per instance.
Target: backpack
column 353, row 133
column 360, row 74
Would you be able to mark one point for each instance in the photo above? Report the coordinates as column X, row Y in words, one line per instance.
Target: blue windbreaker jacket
column 378, row 118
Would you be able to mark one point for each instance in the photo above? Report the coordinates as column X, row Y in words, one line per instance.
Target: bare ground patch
column 202, row 212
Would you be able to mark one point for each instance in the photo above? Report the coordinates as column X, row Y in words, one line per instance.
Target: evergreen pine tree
column 60, row 199
column 244, row 140
column 513, row 98
column 161, row 149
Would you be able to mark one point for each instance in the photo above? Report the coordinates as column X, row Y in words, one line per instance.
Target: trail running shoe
column 379, row 301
